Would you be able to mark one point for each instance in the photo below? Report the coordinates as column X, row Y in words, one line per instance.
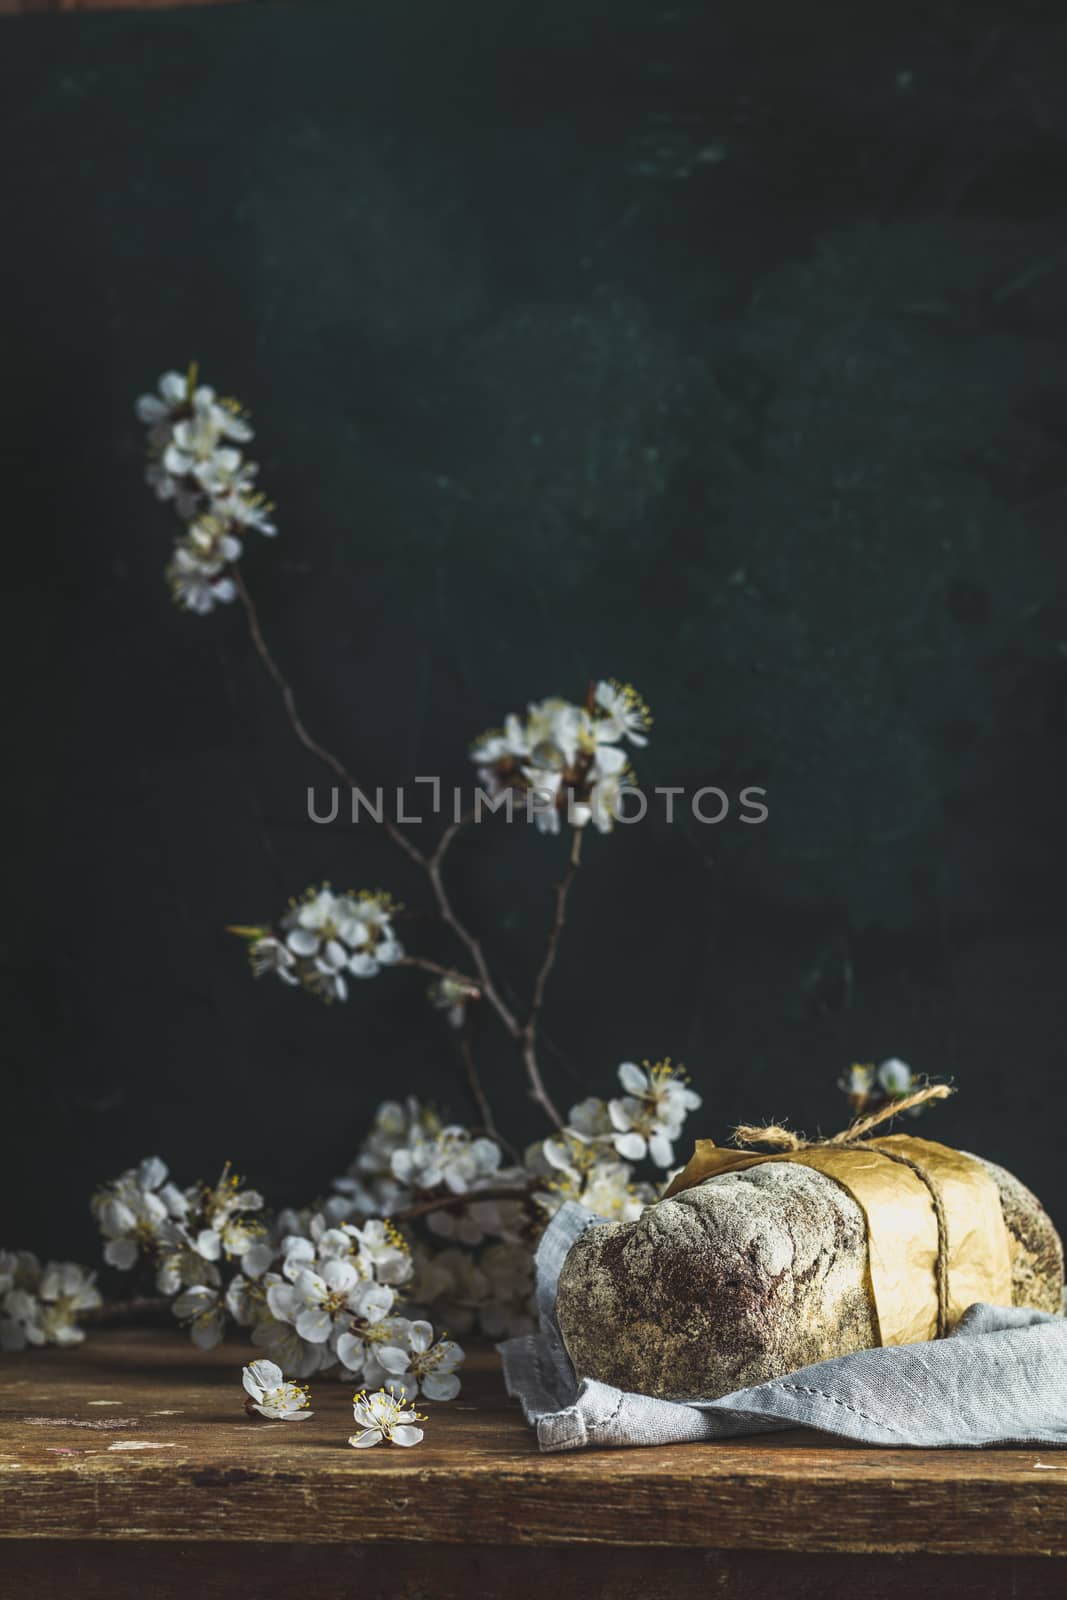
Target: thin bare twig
column 474, row 1084
column 426, row 965
column 116, row 1313
column 454, row 1202
column 528, row 1039
column 472, row 945
column 336, row 766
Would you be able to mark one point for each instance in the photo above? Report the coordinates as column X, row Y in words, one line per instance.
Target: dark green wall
column 718, row 347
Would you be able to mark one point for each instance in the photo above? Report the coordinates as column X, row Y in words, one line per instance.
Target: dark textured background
column 719, row 347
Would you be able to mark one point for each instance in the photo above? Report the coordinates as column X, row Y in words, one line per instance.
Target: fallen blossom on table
column 272, row 1396
column 381, row 1418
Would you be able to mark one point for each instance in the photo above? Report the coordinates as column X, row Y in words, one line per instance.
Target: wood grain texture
column 137, row 1437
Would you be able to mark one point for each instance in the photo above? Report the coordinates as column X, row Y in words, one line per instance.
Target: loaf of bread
column 748, row 1276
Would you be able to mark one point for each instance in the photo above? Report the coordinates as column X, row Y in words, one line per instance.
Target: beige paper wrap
column 902, row 1229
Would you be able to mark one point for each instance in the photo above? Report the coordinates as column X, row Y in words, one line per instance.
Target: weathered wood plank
column 138, row 1437
column 150, row 1571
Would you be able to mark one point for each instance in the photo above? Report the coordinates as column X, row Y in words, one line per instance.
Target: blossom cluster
column 194, row 462
column 324, row 938
column 567, row 760
column 186, row 1235
column 317, row 1292
column 40, row 1305
column 483, row 1278
column 334, row 1307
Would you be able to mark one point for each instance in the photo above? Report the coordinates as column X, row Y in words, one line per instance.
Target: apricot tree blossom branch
column 431, row 864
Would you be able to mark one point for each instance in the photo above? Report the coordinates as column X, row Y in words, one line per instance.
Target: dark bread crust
column 1036, row 1249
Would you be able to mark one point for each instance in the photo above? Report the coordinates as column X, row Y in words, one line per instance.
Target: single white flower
column 202, row 1311
column 272, row 1396
column 590, row 1118
column 367, row 928
column 181, row 1266
column 420, row 1363
column 319, row 1304
column 138, row 1212
column 196, row 585
column 270, row 955
column 20, row 1320
column 452, row 996
column 858, row 1081
column 162, row 409
column 649, row 1117
column 896, row 1077
column 282, row 1342
column 625, row 714
column 381, row 1418
column 383, row 1245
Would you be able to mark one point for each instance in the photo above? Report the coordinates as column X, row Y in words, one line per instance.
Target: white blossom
column 203, row 1311
column 41, row 1305
column 325, row 938
column 419, row 1362
column 649, row 1117
column 334, row 1296
column 509, row 1308
column 271, row 1395
column 198, row 585
column 452, row 996
column 271, row 955
column 858, row 1081
column 589, row 1172
column 140, row 1211
column 320, row 1304
column 491, row 1291
column 566, row 761
column 896, row 1077
column 381, row 1418
column 225, row 1229
column 452, row 1158
column 626, row 715
column 195, row 465
column 370, row 1186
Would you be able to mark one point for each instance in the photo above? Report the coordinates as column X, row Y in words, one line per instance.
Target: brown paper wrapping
column 901, row 1223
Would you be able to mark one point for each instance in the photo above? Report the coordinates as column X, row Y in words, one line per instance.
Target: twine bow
column 785, row 1139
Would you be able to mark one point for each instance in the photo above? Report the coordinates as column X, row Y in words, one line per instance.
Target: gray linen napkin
column 999, row 1378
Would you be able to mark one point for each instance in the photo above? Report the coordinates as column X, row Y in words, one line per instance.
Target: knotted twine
column 781, row 1138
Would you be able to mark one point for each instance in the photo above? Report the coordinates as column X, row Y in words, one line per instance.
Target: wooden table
column 129, row 1467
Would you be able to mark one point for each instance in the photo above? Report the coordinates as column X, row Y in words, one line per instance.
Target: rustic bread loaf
column 747, row 1276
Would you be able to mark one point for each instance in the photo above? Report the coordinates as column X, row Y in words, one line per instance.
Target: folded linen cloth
column 999, row 1378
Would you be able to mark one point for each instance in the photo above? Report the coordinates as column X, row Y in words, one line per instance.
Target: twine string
column 786, row 1139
